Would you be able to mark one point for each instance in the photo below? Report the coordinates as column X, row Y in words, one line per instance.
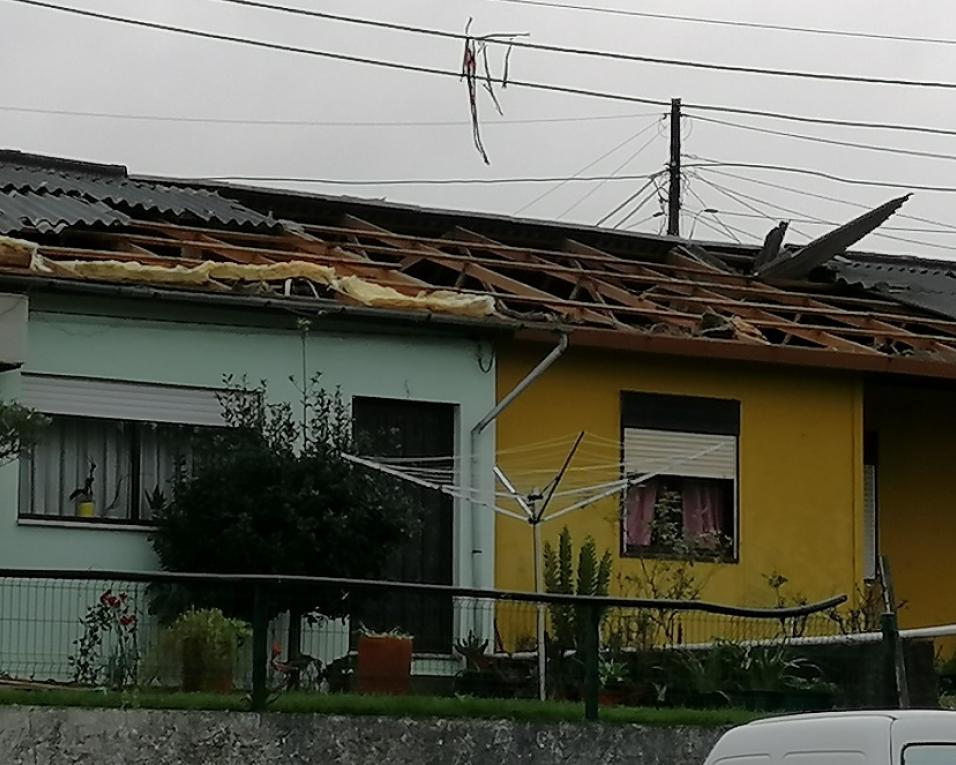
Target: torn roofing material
column 799, row 263
column 47, row 194
column 925, row 284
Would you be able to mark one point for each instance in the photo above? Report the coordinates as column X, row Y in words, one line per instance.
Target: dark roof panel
column 917, row 282
column 110, row 187
column 50, row 213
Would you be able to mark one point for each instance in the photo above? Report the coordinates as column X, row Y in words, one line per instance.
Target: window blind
column 109, row 399
column 693, row 455
column 870, row 546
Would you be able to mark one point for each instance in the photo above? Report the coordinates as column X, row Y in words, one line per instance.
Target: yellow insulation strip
column 362, row 291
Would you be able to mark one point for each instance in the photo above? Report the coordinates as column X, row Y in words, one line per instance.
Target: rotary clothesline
column 533, row 504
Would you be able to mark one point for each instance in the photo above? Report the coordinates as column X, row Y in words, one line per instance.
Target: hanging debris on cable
column 476, row 70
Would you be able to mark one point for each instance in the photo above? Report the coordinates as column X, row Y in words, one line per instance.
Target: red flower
column 127, row 620
column 113, row 602
column 276, row 650
column 106, row 597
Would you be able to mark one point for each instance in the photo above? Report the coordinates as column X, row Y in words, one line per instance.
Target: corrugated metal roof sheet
column 914, row 282
column 106, row 188
column 50, row 213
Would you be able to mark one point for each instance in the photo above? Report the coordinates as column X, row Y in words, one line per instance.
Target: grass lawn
column 389, row 706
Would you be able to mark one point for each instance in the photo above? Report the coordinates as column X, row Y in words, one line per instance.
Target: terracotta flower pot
column 384, row 664
column 610, row 698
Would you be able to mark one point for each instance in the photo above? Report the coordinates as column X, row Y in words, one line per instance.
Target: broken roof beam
column 600, row 289
column 799, row 264
column 772, row 246
column 694, row 255
column 482, row 273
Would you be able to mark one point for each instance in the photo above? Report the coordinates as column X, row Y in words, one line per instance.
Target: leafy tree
column 272, row 493
column 20, row 428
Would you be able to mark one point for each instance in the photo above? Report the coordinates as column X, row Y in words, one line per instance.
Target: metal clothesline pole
column 535, row 517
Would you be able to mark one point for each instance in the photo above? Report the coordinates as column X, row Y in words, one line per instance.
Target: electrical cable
column 314, row 123
column 825, row 197
column 456, row 74
column 655, row 192
column 831, row 141
column 614, row 172
column 588, row 52
column 584, row 169
column 823, row 174
column 415, row 181
column 734, row 23
column 877, row 233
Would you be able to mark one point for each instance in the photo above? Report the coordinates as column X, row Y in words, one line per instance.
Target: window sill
column 69, row 523
column 668, row 555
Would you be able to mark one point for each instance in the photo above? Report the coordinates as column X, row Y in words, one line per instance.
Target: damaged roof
column 605, row 288
column 916, row 282
column 48, row 194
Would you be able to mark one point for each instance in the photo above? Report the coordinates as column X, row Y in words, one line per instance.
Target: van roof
column 891, row 714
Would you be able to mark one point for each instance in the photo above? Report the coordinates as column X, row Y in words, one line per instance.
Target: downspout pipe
column 477, row 508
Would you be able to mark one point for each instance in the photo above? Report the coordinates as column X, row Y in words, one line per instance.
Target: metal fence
column 234, row 634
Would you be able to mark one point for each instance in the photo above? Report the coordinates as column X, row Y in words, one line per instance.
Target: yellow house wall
column 917, row 497
column 800, row 464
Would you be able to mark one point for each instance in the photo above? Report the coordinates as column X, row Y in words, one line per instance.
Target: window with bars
column 681, row 454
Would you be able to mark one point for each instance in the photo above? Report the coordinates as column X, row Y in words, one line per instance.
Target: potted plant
column 82, row 496
column 207, row 644
column 384, row 662
column 612, row 675
column 478, row 677
column 775, row 680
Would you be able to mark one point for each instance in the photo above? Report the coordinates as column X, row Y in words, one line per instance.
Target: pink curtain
column 702, row 505
column 639, row 506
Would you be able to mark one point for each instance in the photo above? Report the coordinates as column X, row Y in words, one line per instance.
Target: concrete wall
column 800, row 463
column 104, row 737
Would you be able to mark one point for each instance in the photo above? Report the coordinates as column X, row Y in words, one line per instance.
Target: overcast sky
column 54, row 61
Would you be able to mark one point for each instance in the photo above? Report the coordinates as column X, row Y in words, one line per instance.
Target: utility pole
column 673, row 167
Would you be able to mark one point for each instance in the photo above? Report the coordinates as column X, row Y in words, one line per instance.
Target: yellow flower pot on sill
column 85, row 509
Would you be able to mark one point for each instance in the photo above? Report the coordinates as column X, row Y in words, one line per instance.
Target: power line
column 878, row 234
column 448, row 73
column 697, row 196
column 314, row 123
column 655, row 192
column 728, row 229
column 828, row 176
column 626, row 202
column 825, row 197
column 729, row 23
column 831, row 122
column 833, row 141
column 614, row 173
column 823, row 222
column 642, row 221
column 590, row 52
column 417, row 181
column 740, row 198
column 584, row 169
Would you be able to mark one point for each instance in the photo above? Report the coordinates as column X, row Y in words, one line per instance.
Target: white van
column 901, row 737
